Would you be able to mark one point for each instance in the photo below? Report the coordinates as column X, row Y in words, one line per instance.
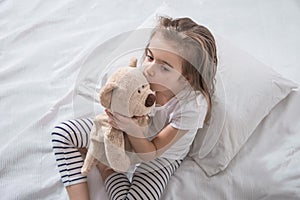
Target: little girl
column 180, row 63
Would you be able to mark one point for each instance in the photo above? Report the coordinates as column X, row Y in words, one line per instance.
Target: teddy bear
column 128, row 93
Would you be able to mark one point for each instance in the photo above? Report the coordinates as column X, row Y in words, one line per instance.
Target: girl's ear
column 185, row 78
column 106, row 94
column 133, row 62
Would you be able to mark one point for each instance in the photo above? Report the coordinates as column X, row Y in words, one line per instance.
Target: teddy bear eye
column 143, row 86
column 139, row 91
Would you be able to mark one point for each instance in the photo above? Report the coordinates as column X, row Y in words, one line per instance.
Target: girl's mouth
column 138, row 117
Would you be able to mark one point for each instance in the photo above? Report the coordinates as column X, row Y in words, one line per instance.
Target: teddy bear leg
column 88, row 164
column 117, row 158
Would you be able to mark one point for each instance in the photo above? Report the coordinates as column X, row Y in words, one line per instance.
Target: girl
column 180, row 63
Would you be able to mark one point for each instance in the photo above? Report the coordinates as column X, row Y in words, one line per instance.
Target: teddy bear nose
column 150, row 100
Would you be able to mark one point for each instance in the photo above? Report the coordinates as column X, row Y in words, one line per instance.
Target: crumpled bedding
column 43, row 45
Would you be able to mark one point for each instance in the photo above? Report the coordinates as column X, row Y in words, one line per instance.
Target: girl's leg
column 78, row 191
column 148, row 182
column 67, row 138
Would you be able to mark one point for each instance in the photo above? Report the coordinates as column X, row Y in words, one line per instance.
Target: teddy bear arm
column 96, row 148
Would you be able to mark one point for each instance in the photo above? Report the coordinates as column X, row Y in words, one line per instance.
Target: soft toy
column 128, row 93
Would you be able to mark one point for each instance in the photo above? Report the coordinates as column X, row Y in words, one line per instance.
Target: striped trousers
column 148, row 181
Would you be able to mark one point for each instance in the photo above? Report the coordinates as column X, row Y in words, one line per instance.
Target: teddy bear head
column 128, row 93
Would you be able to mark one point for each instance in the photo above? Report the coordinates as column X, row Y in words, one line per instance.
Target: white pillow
column 246, row 91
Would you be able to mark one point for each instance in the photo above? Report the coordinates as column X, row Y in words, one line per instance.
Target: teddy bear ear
column 133, row 62
column 106, row 93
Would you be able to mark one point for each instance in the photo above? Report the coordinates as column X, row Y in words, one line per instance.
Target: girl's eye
column 150, row 58
column 164, row 68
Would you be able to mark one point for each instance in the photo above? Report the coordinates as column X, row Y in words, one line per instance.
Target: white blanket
column 43, row 45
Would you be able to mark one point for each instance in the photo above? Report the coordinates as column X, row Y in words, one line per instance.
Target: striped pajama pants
column 148, row 181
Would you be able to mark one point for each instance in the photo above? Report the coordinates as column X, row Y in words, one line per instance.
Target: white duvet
column 43, row 45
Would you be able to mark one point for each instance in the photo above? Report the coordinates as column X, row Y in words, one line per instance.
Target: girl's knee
column 74, row 133
column 62, row 133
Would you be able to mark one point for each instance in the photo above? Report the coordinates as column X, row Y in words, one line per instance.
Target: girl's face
column 163, row 66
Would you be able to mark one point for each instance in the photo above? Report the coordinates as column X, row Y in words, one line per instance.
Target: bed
column 47, row 49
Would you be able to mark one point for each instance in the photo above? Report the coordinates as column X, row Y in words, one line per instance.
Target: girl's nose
column 150, row 70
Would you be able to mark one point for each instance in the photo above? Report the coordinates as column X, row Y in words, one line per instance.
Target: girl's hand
column 126, row 124
column 111, row 119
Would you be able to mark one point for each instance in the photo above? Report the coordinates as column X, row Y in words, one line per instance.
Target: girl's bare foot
column 105, row 171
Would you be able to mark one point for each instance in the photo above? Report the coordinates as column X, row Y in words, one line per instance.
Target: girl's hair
column 197, row 48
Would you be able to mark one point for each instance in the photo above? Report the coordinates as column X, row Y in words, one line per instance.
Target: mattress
column 45, row 47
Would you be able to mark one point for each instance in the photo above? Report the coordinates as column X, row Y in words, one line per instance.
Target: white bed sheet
column 43, row 45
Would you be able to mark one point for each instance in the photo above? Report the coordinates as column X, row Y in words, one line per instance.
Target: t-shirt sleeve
column 189, row 114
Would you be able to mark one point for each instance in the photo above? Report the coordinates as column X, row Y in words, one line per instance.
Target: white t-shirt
column 185, row 111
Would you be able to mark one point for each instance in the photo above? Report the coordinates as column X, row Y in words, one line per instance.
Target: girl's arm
column 147, row 150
